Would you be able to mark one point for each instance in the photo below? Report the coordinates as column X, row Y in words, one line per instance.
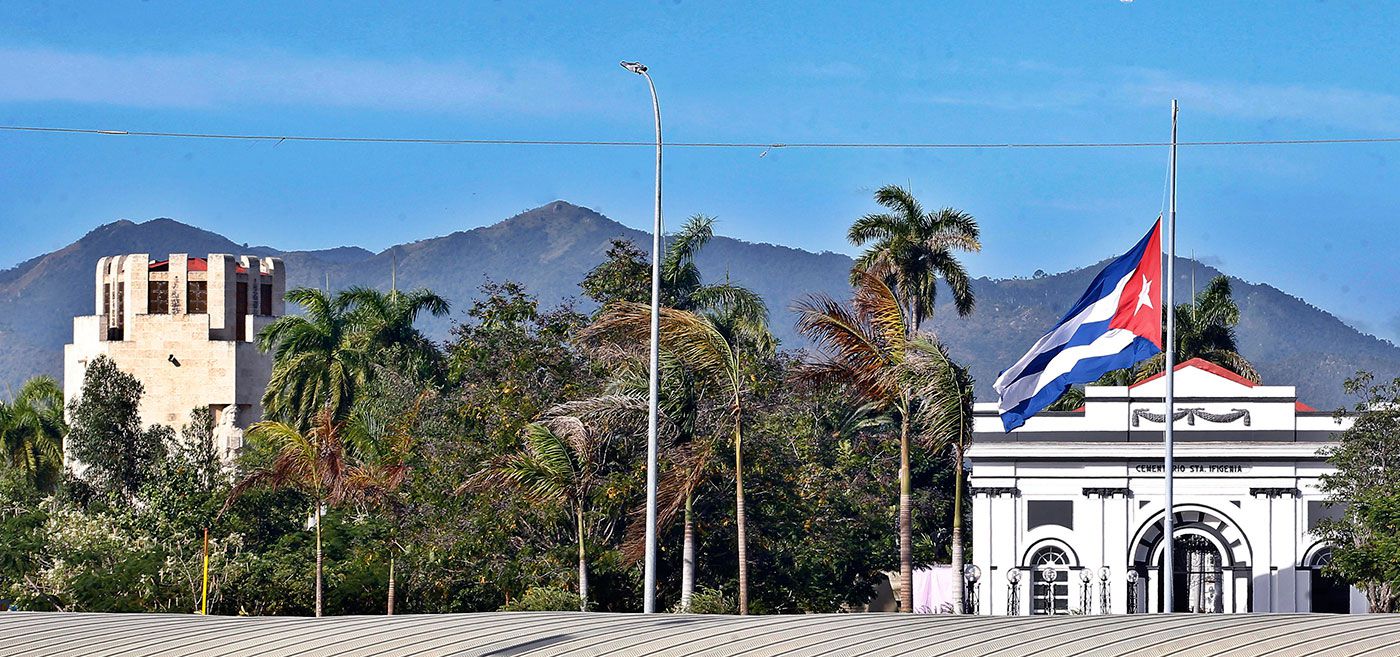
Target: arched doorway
column 1050, row 596
column 1330, row 594
column 1197, row 576
column 1210, row 570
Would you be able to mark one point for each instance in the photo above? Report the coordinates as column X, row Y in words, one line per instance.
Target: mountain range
column 550, row 248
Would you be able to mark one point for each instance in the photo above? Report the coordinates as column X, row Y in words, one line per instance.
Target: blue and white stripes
column 1115, row 324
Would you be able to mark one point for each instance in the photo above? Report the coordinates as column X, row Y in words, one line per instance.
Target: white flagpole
column 1168, row 565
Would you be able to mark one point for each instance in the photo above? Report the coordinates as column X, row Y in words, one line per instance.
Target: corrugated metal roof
column 665, row 635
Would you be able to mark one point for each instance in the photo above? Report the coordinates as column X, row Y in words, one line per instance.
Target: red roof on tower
column 196, row 264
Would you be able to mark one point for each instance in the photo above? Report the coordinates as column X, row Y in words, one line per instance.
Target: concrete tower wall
column 186, row 328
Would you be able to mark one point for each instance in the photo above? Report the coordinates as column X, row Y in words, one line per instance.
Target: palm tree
column 685, row 457
column 559, row 463
column 912, row 249
column 867, row 347
column 683, row 288
column 380, row 467
column 319, row 360
column 31, row 432
column 386, row 319
column 714, row 346
column 944, row 417
column 312, row 462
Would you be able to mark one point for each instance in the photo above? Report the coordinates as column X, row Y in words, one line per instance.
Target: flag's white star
column 1144, row 296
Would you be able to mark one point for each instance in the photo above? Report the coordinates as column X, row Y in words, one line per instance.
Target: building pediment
column 1200, row 378
column 1211, row 403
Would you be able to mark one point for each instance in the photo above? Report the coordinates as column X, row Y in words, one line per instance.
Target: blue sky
column 1314, row 220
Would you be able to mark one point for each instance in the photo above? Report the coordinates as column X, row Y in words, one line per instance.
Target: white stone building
column 1082, row 493
column 185, row 327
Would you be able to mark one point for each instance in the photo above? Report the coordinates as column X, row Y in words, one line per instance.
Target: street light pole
column 649, row 576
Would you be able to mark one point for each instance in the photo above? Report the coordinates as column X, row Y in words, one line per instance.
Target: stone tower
column 185, row 327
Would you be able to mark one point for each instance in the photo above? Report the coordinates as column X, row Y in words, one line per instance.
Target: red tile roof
column 1207, row 366
column 1223, row 373
column 195, row 264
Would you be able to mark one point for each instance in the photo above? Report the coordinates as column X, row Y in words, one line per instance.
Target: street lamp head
column 635, row 67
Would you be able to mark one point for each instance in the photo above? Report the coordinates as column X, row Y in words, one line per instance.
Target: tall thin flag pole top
column 649, row 569
column 1169, row 351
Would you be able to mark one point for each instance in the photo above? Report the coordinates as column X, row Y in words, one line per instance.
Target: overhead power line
column 691, row 144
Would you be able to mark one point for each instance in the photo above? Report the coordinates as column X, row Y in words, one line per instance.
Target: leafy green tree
column 105, row 434
column 31, row 432
column 711, row 601
column 23, row 517
column 624, row 275
column 319, row 359
column 546, row 598
column 511, row 361
column 911, row 249
column 312, row 462
column 385, row 322
column 683, row 287
column 387, row 319
column 1365, row 539
column 827, row 476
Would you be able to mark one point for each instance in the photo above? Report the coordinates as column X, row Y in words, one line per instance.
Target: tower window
column 197, row 295
column 241, row 306
column 158, row 298
column 265, row 300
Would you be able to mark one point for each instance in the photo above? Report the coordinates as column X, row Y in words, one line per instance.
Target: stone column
column 222, row 288
column 1003, row 508
column 983, row 536
column 1264, row 570
column 179, row 284
column 1117, row 552
column 278, row 277
column 99, row 301
column 138, row 278
column 1287, row 532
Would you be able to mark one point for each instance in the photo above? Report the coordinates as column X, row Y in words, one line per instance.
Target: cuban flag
column 1117, row 323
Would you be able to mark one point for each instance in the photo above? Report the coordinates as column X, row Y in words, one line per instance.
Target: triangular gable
column 1200, row 376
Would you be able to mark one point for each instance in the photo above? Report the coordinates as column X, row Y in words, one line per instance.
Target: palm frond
column 684, row 245
column 732, row 300
column 959, row 283
column 900, row 201
column 850, row 349
column 875, row 301
column 943, row 389
column 871, row 228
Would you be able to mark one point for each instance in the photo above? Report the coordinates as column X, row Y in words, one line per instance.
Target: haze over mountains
column 550, row 248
